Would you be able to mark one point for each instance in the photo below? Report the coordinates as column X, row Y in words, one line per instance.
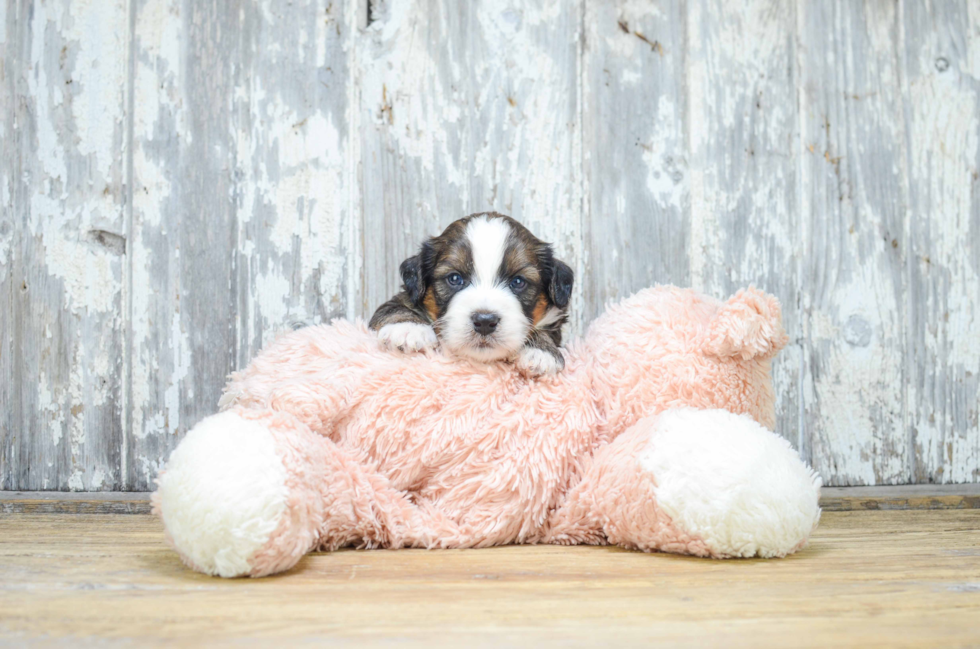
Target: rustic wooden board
column 294, row 251
column 240, row 207
column 466, row 107
column 184, row 295
column 61, row 502
column 928, row 496
column 867, row 579
column 854, row 204
column 634, row 146
column 744, row 140
column 942, row 97
column 412, row 103
column 62, row 250
column 179, row 181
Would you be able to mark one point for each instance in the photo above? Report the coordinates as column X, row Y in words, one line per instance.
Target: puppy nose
column 484, row 323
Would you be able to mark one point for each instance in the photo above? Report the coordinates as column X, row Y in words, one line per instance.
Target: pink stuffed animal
column 653, row 437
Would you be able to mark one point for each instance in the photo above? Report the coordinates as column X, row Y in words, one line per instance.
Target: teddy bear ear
column 749, row 325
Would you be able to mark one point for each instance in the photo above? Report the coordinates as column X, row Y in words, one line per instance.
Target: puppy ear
column 414, row 273
column 560, row 289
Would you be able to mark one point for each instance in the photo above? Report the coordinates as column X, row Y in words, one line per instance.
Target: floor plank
column 896, row 578
column 834, row 499
column 922, row 496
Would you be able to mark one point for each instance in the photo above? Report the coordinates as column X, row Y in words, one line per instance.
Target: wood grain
column 466, row 107
column 867, row 578
column 854, row 195
column 183, row 288
column 62, row 245
column 240, row 207
column 634, row 147
column 744, row 139
column 293, row 182
column 961, row 496
column 180, row 181
column 62, row 502
column 926, row 496
column 942, row 112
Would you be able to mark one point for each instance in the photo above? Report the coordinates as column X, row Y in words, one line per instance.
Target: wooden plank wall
column 181, row 179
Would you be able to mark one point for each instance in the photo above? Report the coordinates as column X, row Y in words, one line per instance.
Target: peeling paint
column 857, row 184
column 158, row 40
column 50, row 409
column 693, row 143
column 741, row 127
column 181, row 368
column 6, row 224
column 293, row 193
column 98, row 77
column 666, row 175
column 945, row 260
column 90, row 279
column 70, row 80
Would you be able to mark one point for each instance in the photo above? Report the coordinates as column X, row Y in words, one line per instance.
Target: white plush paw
column 408, row 336
column 222, row 493
column 537, row 362
column 725, row 479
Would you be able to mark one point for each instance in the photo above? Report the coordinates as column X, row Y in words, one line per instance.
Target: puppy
column 486, row 289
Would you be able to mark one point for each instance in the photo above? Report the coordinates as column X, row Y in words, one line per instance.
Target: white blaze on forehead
column 488, row 243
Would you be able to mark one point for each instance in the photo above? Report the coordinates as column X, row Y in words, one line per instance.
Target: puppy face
column 487, row 283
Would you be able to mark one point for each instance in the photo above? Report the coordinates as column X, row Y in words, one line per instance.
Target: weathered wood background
column 179, row 179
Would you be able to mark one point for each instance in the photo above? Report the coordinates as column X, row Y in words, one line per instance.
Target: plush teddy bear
column 655, row 437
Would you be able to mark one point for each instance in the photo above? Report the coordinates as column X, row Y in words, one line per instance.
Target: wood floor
column 869, row 578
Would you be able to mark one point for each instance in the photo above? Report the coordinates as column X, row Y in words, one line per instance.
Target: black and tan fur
column 426, row 295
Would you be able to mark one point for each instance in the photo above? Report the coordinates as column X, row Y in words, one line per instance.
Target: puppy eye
column 518, row 284
column 455, row 279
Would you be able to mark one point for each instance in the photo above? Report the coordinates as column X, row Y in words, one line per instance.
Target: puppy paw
column 408, row 336
column 538, row 362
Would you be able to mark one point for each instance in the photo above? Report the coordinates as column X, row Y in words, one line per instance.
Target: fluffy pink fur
column 384, row 449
